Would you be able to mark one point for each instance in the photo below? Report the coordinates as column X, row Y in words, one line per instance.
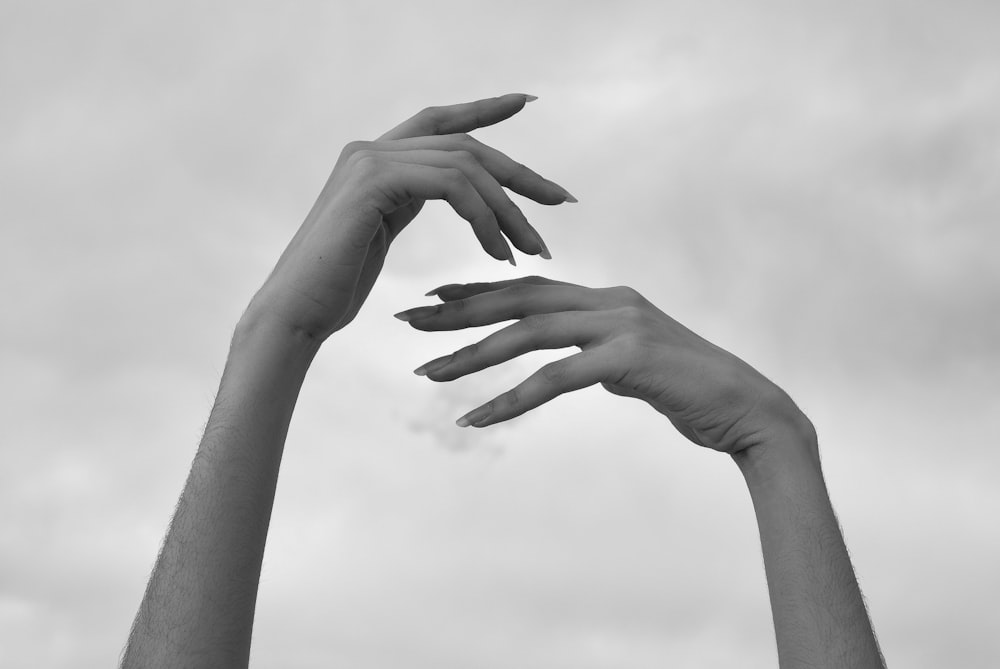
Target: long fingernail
column 510, row 257
column 432, row 293
column 567, row 196
column 433, row 365
column 474, row 416
column 418, row 312
column 544, row 253
column 529, row 98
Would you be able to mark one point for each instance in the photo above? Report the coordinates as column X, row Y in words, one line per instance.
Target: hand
column 377, row 188
column 628, row 345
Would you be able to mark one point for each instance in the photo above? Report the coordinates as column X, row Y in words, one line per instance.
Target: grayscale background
column 812, row 185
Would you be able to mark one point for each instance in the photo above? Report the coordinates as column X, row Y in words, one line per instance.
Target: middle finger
column 510, row 303
column 509, row 173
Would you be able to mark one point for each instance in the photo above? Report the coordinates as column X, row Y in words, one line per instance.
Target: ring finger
column 509, row 216
column 533, row 333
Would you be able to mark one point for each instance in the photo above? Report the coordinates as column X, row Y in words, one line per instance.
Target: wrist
column 790, row 452
column 260, row 327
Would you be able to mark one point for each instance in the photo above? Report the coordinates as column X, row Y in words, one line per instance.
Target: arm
column 199, row 605
column 713, row 398
column 819, row 614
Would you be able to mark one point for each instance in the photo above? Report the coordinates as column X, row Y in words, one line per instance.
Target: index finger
column 464, row 117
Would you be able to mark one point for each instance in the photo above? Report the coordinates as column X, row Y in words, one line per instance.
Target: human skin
column 198, row 607
column 712, row 397
column 199, row 604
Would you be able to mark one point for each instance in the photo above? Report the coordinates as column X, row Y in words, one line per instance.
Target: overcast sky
column 812, row 185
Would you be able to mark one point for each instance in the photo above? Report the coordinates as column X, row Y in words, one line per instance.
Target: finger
column 464, row 117
column 458, row 291
column 556, row 378
column 509, row 216
column 403, row 182
column 533, row 333
column 509, row 173
column 511, row 303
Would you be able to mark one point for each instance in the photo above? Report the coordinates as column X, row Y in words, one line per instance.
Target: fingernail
column 530, row 98
column 474, row 416
column 567, row 196
column 432, row 293
column 544, row 253
column 432, row 366
column 510, row 257
column 419, row 312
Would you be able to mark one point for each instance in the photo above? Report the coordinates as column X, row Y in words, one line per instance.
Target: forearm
column 199, row 604
column 819, row 614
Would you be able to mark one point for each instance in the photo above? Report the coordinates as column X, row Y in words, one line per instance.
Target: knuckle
column 632, row 314
column 536, row 322
column 630, row 344
column 621, row 296
column 553, row 373
column 454, row 177
column 467, row 352
column 463, row 156
column 629, row 295
column 511, row 207
column 511, row 398
column 353, row 147
column 432, row 117
column 364, row 159
column 519, row 290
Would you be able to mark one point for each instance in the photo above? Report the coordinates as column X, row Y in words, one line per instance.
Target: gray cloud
column 812, row 187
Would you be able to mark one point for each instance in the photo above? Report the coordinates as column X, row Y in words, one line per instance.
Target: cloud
column 812, row 187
